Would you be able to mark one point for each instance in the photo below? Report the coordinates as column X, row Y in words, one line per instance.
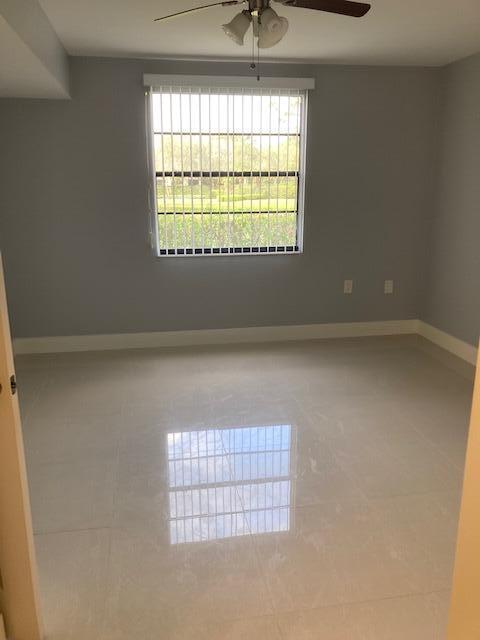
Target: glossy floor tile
column 157, row 589
column 294, row 491
column 415, row 617
column 73, row 568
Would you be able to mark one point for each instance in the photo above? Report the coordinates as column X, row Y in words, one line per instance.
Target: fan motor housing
column 257, row 5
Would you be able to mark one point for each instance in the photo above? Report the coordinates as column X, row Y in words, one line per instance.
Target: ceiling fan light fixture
column 238, row 26
column 272, row 29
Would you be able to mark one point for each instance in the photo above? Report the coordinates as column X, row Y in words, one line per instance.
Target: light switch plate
column 388, row 287
column 347, row 286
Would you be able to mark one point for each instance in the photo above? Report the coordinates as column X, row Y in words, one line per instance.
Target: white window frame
column 154, row 82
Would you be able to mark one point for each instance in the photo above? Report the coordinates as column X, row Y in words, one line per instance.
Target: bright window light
column 229, row 170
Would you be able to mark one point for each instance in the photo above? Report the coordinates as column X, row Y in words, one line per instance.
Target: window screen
column 228, row 170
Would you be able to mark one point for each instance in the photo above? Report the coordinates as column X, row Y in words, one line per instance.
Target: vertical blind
column 227, row 169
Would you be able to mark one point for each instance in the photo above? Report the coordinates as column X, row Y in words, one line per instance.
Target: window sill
column 229, row 252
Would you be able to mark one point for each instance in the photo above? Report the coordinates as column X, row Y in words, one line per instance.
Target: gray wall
column 73, row 221
column 452, row 298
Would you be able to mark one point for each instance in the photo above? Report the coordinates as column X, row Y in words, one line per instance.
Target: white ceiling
column 396, row 32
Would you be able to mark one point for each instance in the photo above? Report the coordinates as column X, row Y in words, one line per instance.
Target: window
column 228, row 169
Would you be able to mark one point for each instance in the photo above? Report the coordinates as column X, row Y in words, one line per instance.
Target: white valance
column 156, row 81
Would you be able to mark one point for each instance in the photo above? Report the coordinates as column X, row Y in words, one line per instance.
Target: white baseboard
column 459, row 348
column 212, row 336
column 60, row 344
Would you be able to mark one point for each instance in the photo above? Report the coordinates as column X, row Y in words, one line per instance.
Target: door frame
column 19, row 600
column 464, row 616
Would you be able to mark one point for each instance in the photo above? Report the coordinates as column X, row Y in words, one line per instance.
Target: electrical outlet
column 388, row 287
column 347, row 286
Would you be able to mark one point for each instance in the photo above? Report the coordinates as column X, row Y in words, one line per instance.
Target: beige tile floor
column 296, row 491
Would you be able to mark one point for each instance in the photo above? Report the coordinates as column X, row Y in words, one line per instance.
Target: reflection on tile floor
column 305, row 490
column 207, row 470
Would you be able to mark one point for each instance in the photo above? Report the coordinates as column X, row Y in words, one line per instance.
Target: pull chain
column 252, row 64
column 258, row 57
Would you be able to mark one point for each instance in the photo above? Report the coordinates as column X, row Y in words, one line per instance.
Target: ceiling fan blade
column 228, row 3
column 343, row 7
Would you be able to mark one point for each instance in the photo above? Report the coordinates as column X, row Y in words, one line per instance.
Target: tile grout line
column 79, row 530
column 256, row 553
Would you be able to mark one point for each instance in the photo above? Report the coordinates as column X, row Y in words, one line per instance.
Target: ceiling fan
column 268, row 27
